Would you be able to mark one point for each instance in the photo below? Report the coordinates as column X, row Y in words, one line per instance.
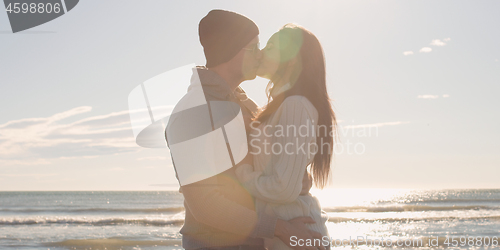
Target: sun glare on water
column 360, row 212
column 348, row 197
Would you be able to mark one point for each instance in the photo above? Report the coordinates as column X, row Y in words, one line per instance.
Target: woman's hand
column 247, row 160
column 245, row 171
column 306, row 183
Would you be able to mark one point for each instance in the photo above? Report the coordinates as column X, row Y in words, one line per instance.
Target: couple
column 263, row 200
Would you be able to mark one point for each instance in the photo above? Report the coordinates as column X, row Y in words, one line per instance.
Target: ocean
column 359, row 218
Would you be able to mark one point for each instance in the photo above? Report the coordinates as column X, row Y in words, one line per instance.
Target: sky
column 414, row 85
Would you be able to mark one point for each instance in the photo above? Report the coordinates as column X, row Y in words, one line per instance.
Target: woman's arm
column 288, row 167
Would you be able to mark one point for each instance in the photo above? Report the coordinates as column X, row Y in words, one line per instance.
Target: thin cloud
column 432, row 96
column 437, row 42
column 34, row 141
column 28, row 162
column 428, row 96
column 425, row 50
column 23, row 123
column 152, row 158
column 165, row 185
column 115, row 118
column 27, row 175
column 380, row 124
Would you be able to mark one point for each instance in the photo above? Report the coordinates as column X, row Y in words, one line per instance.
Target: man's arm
column 209, row 206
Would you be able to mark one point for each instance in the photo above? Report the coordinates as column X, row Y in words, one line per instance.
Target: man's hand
column 306, row 183
column 247, row 160
column 297, row 227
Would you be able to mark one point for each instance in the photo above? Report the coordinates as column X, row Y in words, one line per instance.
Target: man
column 220, row 214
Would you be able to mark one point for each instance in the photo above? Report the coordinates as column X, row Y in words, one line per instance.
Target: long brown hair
column 308, row 79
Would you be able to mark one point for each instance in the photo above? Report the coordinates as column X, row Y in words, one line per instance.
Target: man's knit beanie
column 223, row 34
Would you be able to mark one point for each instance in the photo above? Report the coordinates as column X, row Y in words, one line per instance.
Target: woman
column 281, row 151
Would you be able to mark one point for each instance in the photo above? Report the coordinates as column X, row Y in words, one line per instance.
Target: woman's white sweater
column 282, row 148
